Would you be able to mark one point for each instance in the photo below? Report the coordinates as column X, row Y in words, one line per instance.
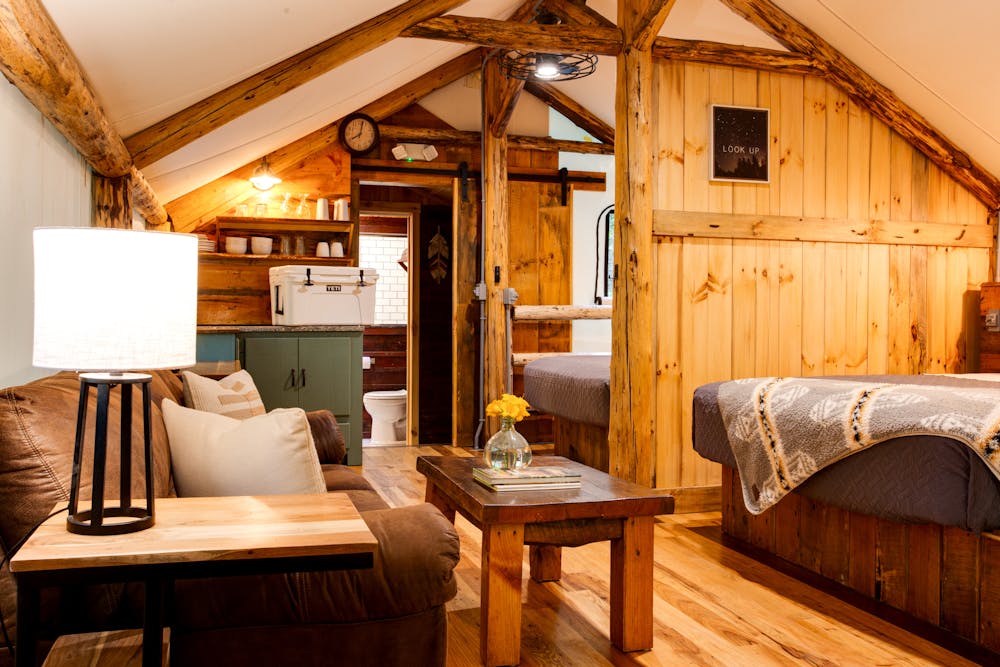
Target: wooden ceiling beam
column 35, row 58
column 215, row 198
column 872, row 95
column 464, row 137
column 733, row 55
column 163, row 138
column 577, row 12
column 562, row 38
column 573, row 110
column 510, row 91
column 649, row 24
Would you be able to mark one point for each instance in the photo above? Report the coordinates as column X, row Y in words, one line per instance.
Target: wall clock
column 358, row 133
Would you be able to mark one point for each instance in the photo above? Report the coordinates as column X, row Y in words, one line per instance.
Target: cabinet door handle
column 302, row 377
column 291, row 379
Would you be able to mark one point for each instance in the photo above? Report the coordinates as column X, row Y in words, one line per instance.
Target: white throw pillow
column 215, row 455
column 234, row 395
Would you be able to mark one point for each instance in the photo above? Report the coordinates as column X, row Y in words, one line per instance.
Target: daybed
column 905, row 521
column 576, row 390
column 392, row 614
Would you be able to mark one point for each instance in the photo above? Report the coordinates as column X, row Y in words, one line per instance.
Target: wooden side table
column 604, row 508
column 192, row 538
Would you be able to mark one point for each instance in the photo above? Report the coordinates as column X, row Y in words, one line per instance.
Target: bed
column 907, row 521
column 575, row 390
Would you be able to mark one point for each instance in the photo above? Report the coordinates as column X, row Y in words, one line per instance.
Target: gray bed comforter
column 922, row 479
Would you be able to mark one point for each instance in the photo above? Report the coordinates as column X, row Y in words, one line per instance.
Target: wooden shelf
column 312, row 231
column 295, row 259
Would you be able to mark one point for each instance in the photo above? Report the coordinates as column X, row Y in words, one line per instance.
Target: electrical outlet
column 992, row 320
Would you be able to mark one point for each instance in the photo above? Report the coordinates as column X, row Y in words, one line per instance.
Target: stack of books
column 537, row 478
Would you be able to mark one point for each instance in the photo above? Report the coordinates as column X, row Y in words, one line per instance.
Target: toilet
column 388, row 411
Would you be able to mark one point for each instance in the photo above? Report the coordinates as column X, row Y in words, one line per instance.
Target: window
column 605, row 278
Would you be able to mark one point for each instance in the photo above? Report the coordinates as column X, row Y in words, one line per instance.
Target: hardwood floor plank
column 712, row 605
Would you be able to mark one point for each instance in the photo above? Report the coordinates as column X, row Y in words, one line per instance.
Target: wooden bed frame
column 945, row 576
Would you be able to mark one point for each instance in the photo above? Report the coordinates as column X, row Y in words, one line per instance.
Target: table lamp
column 109, row 301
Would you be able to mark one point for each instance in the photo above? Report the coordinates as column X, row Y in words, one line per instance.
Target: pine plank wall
column 736, row 297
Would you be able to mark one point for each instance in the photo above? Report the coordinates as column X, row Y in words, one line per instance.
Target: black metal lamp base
column 124, row 518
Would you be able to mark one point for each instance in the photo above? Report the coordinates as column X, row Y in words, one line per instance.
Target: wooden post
column 497, row 238
column 630, row 436
column 112, row 206
column 465, row 315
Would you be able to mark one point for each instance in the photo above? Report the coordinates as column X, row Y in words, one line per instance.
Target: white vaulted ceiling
column 147, row 60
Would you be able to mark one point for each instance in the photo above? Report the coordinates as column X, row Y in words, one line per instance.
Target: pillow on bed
column 215, row 455
column 234, row 395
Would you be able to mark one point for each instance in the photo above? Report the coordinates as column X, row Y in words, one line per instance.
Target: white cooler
column 322, row 295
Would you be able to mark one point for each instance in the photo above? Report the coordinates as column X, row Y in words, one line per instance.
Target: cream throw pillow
column 215, row 455
column 234, row 395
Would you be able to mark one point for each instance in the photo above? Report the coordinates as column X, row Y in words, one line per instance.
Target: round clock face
column 359, row 134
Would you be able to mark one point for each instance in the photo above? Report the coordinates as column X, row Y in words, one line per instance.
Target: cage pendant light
column 535, row 65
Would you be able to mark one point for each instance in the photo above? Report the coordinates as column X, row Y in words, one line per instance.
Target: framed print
column 739, row 144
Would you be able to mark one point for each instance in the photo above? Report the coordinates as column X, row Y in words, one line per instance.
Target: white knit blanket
column 782, row 430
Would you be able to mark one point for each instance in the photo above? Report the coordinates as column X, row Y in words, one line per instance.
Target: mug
column 337, row 249
column 322, row 249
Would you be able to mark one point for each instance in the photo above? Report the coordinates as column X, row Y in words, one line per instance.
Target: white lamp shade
column 114, row 299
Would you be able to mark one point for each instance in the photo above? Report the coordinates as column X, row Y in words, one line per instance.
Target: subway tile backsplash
column 382, row 253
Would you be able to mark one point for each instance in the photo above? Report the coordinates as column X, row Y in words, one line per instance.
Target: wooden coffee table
column 192, row 538
column 604, row 508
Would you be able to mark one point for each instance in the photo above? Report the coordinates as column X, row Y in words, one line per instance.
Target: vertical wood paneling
column 790, row 308
column 836, row 288
column 696, row 139
column 745, row 281
column 669, row 167
column 794, row 308
column 669, row 390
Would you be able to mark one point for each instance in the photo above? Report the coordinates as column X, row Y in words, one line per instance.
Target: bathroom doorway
column 417, row 240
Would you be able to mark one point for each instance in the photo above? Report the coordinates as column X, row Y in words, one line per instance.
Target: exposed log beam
column 510, row 91
column 434, row 135
column 572, row 109
column 563, row 38
column 214, row 198
column 875, row 97
column 733, row 55
column 496, row 246
column 526, row 12
column 631, row 439
column 145, row 202
column 577, row 12
column 650, row 22
column 183, row 127
column 436, row 173
column 35, row 58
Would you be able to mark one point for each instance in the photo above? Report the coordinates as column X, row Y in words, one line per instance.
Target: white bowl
column 236, row 245
column 261, row 245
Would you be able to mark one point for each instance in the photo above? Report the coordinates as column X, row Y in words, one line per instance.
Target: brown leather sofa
column 393, row 614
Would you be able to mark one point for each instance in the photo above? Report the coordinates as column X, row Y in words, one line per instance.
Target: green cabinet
column 313, row 371
column 215, row 347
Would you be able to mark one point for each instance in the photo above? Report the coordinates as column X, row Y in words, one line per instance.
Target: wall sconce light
column 411, row 152
column 263, row 178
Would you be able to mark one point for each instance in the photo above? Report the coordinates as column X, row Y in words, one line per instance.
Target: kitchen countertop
column 268, row 328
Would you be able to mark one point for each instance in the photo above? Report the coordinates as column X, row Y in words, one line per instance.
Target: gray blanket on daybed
column 783, row 430
column 914, row 478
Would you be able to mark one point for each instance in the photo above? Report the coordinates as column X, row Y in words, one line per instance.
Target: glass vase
column 507, row 449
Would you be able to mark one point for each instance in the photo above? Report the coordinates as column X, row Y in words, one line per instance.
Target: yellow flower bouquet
column 508, row 406
column 507, row 449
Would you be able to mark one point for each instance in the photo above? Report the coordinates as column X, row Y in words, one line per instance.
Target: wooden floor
column 712, row 605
